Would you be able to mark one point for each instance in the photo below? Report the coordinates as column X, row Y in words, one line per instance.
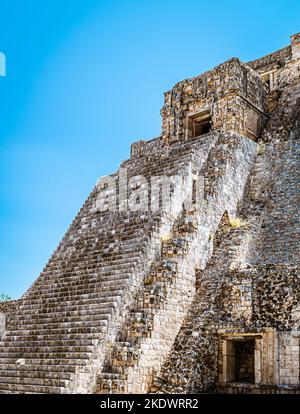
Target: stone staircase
column 168, row 288
column 57, row 326
column 145, row 340
column 57, row 337
column 117, row 282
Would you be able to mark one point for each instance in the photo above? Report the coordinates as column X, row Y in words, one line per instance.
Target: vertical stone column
column 257, row 360
column 268, row 375
column 228, row 361
column 2, row 324
column 289, row 358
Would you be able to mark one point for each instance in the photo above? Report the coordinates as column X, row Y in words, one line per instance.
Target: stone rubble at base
column 205, row 299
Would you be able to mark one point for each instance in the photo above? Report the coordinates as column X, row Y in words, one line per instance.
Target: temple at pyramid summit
column 180, row 273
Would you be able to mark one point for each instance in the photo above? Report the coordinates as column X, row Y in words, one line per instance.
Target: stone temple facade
column 200, row 292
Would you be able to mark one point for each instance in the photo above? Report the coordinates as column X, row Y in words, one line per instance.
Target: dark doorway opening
column 201, row 127
column 244, row 361
column 199, row 124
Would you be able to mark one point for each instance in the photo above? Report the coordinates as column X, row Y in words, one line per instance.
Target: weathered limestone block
column 174, row 247
column 185, row 226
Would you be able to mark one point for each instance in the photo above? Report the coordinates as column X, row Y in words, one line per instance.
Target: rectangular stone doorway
column 199, row 124
column 244, row 361
column 240, row 359
column 201, row 127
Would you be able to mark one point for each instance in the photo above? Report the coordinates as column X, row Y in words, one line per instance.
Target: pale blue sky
column 84, row 79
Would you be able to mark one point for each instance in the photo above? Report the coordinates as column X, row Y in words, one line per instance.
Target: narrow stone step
column 46, row 343
column 14, row 356
column 58, row 331
column 11, row 375
column 72, row 360
column 83, row 303
column 74, row 296
column 19, row 339
column 45, row 349
column 47, row 315
column 14, row 368
column 60, row 318
column 28, row 388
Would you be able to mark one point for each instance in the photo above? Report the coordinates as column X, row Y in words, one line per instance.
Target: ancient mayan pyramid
column 201, row 295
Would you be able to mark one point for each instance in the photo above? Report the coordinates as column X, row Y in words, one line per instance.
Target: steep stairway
column 148, row 337
column 56, row 338
column 132, row 359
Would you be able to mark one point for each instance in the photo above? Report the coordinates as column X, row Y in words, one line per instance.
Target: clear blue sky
column 84, row 79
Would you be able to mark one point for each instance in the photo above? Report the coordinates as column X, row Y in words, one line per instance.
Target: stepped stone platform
column 180, row 273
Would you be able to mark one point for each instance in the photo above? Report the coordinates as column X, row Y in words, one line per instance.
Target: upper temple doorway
column 199, row 124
